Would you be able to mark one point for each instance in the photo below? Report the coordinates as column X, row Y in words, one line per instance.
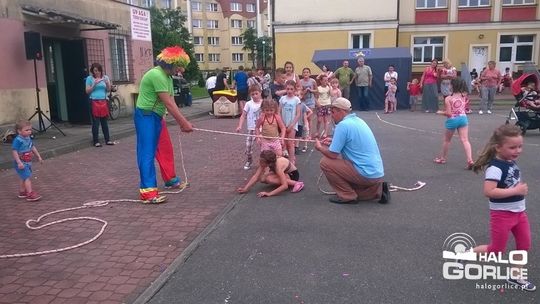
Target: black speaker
column 32, row 45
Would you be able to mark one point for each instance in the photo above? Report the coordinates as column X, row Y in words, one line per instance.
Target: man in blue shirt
column 358, row 174
column 240, row 83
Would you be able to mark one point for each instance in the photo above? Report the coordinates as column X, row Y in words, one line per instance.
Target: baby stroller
column 527, row 118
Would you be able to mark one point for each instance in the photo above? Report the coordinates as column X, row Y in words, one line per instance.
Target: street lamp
column 263, row 57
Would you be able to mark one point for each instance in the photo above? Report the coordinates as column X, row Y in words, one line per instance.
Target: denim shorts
column 456, row 122
column 26, row 172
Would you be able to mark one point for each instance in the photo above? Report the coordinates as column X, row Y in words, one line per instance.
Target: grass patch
column 198, row 92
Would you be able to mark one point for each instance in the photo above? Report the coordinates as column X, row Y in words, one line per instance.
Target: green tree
column 250, row 42
column 264, row 50
column 167, row 30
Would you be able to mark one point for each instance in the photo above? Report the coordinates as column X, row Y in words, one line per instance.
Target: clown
column 153, row 141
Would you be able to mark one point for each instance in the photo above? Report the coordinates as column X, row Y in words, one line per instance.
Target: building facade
column 70, row 38
column 465, row 31
column 217, row 25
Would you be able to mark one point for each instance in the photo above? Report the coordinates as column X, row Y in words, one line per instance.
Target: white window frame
column 211, row 7
column 237, row 40
column 196, row 23
column 370, row 33
column 513, row 2
column 235, row 22
column 254, row 22
column 236, row 7
column 117, row 62
column 199, row 57
column 479, row 3
column 148, row 3
column 167, row 4
column 214, row 41
column 214, row 57
column 250, row 7
column 424, row 4
column 515, row 44
column 238, row 57
column 198, row 40
column 212, row 24
column 196, row 6
column 444, row 46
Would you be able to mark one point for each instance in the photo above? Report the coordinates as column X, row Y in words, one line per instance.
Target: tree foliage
column 167, row 30
column 250, row 42
column 260, row 48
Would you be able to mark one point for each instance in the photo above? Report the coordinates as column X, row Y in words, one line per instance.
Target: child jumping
column 390, row 101
column 251, row 113
column 274, row 170
column 270, row 124
column 506, row 193
column 455, row 112
column 414, row 91
column 289, row 106
column 23, row 150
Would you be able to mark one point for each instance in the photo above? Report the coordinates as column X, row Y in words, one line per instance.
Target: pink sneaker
column 297, row 187
column 33, row 196
column 22, row 194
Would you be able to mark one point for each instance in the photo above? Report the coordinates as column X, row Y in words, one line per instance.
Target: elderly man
column 345, row 75
column 363, row 78
column 358, row 174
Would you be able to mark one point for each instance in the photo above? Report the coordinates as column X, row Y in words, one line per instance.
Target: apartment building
column 465, row 31
column 67, row 38
column 217, row 25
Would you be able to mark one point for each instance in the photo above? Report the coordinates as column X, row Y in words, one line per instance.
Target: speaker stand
column 41, row 123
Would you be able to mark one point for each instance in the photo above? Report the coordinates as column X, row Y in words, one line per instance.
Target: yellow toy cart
column 225, row 103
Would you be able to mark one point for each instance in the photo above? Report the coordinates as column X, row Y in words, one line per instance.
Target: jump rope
column 33, row 224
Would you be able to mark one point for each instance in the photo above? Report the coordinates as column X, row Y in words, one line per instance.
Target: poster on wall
column 140, row 24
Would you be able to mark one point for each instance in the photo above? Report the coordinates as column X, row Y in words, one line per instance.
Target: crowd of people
column 285, row 113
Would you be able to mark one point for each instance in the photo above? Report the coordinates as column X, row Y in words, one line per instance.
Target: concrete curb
column 158, row 283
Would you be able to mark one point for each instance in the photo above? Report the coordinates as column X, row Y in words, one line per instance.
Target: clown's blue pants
column 147, row 128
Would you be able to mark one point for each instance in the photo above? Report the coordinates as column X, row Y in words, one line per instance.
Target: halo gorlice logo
column 462, row 263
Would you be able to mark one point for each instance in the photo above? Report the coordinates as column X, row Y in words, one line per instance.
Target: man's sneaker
column 489, row 111
column 33, row 196
column 22, row 194
column 385, row 196
column 177, row 185
column 523, row 284
column 247, row 165
column 480, row 112
column 156, row 200
column 297, row 187
column 304, row 149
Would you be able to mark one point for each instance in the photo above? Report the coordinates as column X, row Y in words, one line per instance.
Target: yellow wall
column 299, row 47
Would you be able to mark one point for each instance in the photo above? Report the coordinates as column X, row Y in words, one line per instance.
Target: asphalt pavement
column 299, row 248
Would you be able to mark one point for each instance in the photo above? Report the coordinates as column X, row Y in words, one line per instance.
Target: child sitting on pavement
column 23, row 150
column 274, row 170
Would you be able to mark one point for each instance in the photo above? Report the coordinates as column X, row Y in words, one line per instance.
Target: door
column 478, row 58
column 78, row 107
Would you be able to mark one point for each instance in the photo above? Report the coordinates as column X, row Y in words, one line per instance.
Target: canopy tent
column 378, row 59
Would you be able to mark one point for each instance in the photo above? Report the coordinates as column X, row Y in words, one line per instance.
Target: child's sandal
column 439, row 160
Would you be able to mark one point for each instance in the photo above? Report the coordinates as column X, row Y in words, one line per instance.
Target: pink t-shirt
column 458, row 104
column 490, row 78
column 430, row 75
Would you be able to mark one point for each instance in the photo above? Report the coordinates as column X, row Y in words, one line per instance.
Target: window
column 427, row 48
column 237, row 40
column 148, row 3
column 212, row 57
column 518, row 2
column 250, row 7
column 199, row 57
column 196, row 7
column 166, row 3
column 196, row 23
column 473, row 3
column 236, row 7
column 238, row 57
column 430, row 3
column 360, row 41
column 213, row 40
column 236, row 23
column 119, row 58
column 197, row 40
column 516, row 48
column 211, row 7
column 251, row 23
column 212, row 24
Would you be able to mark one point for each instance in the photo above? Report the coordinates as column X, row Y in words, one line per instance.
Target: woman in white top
column 391, row 73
